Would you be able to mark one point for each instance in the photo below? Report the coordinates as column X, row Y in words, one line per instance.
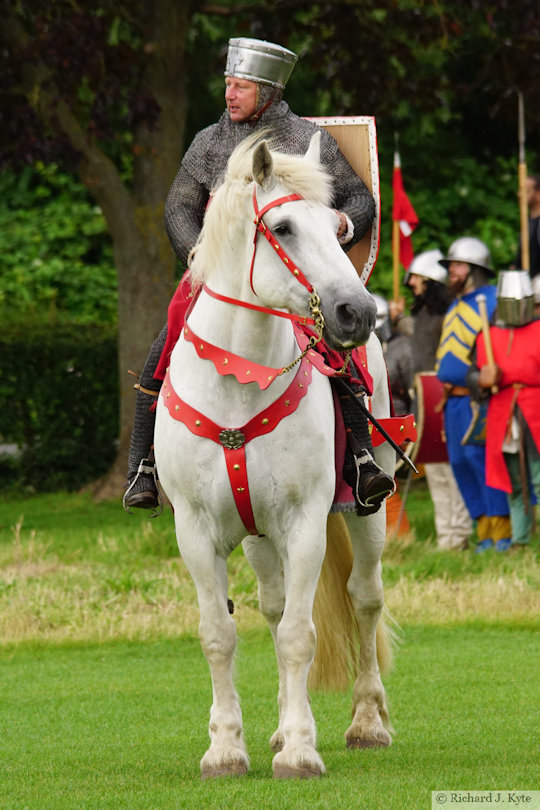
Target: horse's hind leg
column 227, row 754
column 370, row 725
column 266, row 564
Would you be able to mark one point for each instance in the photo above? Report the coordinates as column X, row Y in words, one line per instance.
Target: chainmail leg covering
column 358, row 439
column 142, row 435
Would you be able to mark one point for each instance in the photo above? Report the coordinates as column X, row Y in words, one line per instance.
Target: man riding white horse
column 256, row 75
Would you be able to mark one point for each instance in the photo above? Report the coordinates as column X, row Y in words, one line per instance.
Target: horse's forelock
column 303, row 177
column 230, row 208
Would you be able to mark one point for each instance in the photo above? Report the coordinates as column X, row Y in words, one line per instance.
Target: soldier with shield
column 255, row 77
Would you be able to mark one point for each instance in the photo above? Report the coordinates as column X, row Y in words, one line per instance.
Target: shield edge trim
column 369, row 122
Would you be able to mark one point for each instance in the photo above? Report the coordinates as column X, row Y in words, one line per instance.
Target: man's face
column 241, row 98
column 458, row 273
column 417, row 284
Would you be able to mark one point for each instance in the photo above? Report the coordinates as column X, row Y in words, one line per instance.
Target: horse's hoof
column 369, row 742
column 216, row 771
column 288, row 772
column 301, row 764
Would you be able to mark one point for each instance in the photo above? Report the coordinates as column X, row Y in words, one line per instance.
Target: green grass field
column 106, row 694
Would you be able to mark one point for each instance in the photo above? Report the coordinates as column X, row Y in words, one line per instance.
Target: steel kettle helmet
column 428, row 265
column 260, row 61
column 515, row 299
column 471, row 250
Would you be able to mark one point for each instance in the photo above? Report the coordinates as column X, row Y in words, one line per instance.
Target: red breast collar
column 247, row 371
column 228, row 363
column 234, row 440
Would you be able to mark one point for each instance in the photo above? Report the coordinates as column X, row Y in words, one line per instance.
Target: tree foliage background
column 100, row 99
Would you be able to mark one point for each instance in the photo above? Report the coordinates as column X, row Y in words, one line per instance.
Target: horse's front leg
column 227, row 754
column 370, row 725
column 295, row 646
column 266, row 564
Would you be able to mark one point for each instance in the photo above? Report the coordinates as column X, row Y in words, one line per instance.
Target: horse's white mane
column 230, row 208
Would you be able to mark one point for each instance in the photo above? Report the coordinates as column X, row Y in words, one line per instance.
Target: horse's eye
column 283, row 229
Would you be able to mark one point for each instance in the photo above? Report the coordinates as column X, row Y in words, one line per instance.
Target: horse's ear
column 314, row 149
column 263, row 165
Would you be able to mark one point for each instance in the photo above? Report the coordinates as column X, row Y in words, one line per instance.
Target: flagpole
column 522, row 181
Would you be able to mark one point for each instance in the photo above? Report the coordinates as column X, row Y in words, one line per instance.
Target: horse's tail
column 336, row 659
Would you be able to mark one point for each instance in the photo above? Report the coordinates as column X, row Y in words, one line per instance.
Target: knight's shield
column 357, row 139
column 430, row 445
column 431, row 442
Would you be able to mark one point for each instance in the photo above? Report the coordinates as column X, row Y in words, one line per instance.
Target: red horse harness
column 234, row 440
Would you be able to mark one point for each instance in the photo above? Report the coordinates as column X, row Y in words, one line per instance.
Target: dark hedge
column 58, row 403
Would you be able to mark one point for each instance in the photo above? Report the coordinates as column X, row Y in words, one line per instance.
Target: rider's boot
column 141, row 488
column 369, row 483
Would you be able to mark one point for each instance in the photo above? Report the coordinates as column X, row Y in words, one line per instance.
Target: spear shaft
column 522, row 180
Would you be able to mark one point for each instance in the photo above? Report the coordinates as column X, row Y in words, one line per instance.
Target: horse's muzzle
column 348, row 325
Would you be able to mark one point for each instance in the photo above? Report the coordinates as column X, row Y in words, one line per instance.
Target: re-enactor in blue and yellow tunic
column 461, row 326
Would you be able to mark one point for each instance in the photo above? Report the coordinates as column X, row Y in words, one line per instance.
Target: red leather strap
column 238, row 478
column 399, row 428
column 260, row 227
column 315, row 357
column 228, row 363
column 234, row 439
column 274, row 204
column 301, row 319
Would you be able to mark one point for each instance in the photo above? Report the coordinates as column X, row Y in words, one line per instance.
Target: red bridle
column 260, row 227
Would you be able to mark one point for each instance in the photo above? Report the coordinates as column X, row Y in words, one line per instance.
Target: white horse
column 244, row 443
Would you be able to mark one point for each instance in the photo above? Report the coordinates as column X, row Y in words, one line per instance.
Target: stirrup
column 147, row 468
column 374, row 500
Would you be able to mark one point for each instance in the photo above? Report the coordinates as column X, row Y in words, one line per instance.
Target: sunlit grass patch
column 71, row 570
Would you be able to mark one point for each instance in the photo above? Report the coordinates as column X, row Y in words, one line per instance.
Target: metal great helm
column 428, row 265
column 471, row 250
column 515, row 299
column 260, row 61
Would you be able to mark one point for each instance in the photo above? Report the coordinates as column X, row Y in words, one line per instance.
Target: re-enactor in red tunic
column 513, row 420
column 516, row 351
